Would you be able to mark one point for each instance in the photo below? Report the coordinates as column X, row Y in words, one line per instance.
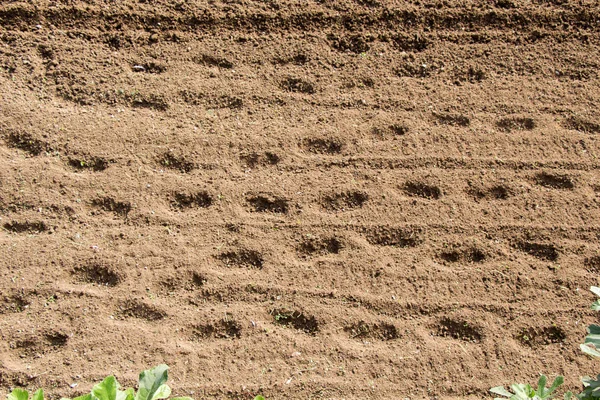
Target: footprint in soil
column 223, row 329
column 176, row 162
column 137, row 309
column 458, row 329
column 26, row 142
column 298, row 85
column 243, row 258
column 547, row 252
column 406, row 42
column 151, row 101
column 320, row 246
column 14, row 303
column 582, row 125
column 268, row 203
column 296, row 320
column 35, row 345
column 419, row 189
column 390, row 130
column 96, row 164
column 323, row 145
column 344, row 201
column 395, row 237
column 452, row 119
column 535, row 336
column 26, row 227
column 213, row 61
column 516, row 123
column 200, row 199
column 186, row 280
column 253, row 160
column 98, row 273
column 56, row 339
column 496, row 192
column 554, row 181
column 350, row 44
column 378, row 331
column 120, row 208
column 470, row 255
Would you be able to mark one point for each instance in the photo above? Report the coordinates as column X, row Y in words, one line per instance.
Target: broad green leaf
column 163, row 392
column 593, row 329
column 259, row 397
column 593, row 339
column 523, row 391
column 106, row 390
column 568, row 396
column 19, row 394
column 497, row 390
column 128, row 394
column 151, row 384
column 590, row 351
column 591, row 388
column 38, row 395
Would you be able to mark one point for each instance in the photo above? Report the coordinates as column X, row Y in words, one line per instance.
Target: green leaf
column 38, row 395
column 568, row 396
column 497, row 390
column 84, row 397
column 541, row 390
column 106, row 390
column 128, row 394
column 557, row 382
column 589, row 350
column 523, row 391
column 259, row 397
column 181, row 398
column 163, row 392
column 18, row 394
column 596, row 304
column 151, row 384
column 591, row 388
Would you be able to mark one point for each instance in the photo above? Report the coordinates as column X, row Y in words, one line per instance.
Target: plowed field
column 304, row 199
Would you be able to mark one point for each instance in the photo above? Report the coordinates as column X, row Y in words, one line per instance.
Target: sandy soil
column 305, row 199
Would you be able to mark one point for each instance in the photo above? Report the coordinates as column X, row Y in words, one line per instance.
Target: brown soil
column 324, row 199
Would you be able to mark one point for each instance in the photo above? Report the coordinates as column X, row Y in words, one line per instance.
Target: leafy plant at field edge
column 591, row 387
column 526, row 391
column 151, row 386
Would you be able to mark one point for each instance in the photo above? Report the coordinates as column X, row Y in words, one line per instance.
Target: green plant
column 526, row 391
column 591, row 387
column 151, row 386
column 22, row 394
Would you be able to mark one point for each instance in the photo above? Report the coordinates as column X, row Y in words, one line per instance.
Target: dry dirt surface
column 307, row 199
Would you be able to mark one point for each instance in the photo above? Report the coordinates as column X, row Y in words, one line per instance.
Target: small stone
column 154, row 38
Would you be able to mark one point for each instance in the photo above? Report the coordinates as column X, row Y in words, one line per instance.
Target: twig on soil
column 32, row 377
